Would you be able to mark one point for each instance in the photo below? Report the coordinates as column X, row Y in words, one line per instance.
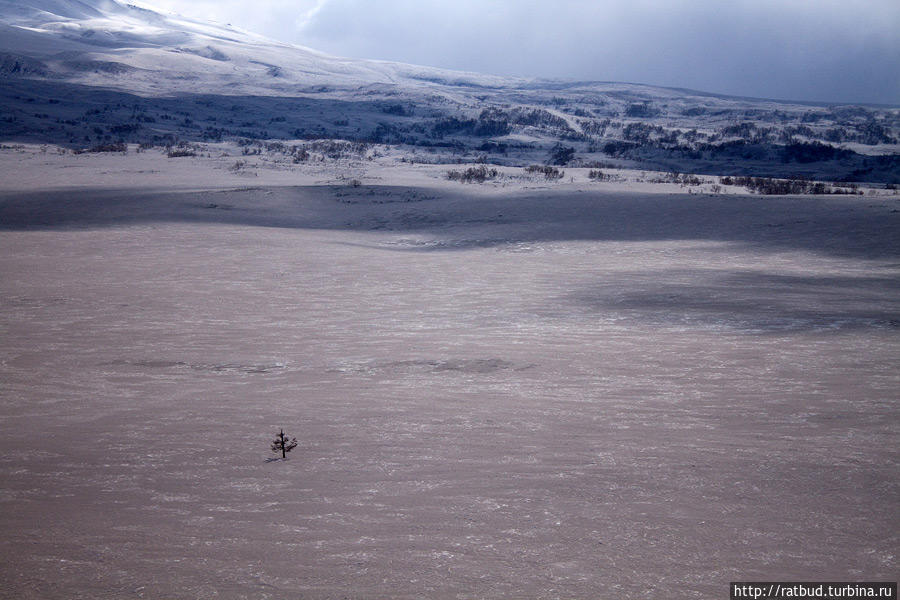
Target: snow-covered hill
column 87, row 72
column 126, row 47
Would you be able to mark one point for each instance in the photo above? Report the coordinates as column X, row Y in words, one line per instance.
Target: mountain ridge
column 42, row 16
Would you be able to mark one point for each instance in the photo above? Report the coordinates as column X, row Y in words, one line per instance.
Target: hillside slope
column 91, row 72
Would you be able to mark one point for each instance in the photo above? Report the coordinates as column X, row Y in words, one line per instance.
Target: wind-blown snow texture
column 521, row 389
column 638, row 385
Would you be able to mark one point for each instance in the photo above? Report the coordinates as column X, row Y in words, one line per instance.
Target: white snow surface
column 526, row 388
column 520, row 389
column 192, row 56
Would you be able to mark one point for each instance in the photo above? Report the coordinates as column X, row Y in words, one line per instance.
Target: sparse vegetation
column 180, row 153
column 551, row 173
column 335, row 149
column 684, row 178
column 780, row 187
column 478, row 174
column 113, row 147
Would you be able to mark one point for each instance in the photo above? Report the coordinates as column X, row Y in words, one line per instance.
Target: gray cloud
column 823, row 50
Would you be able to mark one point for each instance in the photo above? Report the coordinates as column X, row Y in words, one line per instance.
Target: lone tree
column 283, row 444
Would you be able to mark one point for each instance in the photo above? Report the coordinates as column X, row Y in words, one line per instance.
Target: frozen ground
column 517, row 390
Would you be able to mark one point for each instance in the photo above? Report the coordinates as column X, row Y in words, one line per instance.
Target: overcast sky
column 818, row 50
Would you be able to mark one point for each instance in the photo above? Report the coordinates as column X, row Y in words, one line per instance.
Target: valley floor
column 511, row 390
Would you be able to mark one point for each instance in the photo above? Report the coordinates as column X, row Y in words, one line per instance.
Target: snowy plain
column 519, row 389
column 525, row 388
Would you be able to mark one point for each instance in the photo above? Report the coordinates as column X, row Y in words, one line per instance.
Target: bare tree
column 282, row 444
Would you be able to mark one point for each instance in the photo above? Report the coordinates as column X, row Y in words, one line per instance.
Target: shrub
column 336, row 149
column 478, row 174
column 114, row 147
column 679, row 178
column 781, row 187
column 547, row 171
column 685, row 179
